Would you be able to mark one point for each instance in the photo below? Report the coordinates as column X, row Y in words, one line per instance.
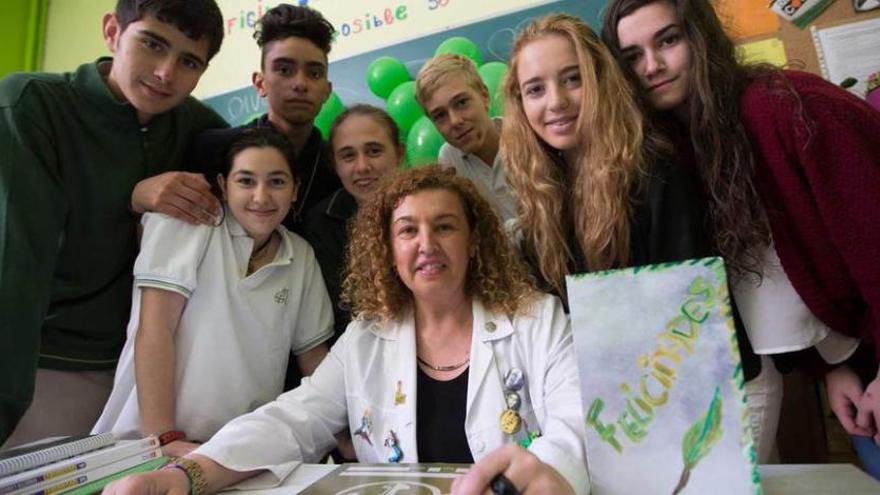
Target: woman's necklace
column 451, row 367
column 258, row 253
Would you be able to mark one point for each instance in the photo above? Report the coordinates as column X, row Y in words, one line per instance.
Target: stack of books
column 75, row 465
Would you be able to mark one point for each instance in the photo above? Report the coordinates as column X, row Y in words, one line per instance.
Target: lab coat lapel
column 400, row 387
column 487, row 329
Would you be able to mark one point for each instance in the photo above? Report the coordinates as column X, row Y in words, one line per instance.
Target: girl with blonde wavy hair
column 593, row 188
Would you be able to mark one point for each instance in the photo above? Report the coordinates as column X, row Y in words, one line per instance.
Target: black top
column 440, row 412
column 313, row 168
column 669, row 222
column 326, row 228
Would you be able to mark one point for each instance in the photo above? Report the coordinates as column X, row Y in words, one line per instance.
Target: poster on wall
column 661, row 381
column 492, row 25
column 362, row 26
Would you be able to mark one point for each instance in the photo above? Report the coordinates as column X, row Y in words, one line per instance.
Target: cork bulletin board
column 799, row 42
column 749, row 21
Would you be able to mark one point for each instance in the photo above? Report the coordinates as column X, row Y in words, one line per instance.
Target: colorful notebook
column 661, row 381
column 375, row 479
column 50, row 450
column 81, row 463
column 95, row 474
column 96, row 486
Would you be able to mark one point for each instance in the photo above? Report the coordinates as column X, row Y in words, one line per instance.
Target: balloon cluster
column 389, row 79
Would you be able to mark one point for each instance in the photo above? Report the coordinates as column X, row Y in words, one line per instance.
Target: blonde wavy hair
column 496, row 276
column 588, row 202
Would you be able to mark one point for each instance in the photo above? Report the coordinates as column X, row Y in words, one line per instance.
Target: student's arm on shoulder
column 33, row 207
column 183, row 195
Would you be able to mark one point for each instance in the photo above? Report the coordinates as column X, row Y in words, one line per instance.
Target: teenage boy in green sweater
column 81, row 154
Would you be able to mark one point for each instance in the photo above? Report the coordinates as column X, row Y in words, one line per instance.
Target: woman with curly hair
column 789, row 163
column 452, row 355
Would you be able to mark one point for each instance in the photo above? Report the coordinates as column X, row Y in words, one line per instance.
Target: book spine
column 81, row 478
column 52, row 454
column 99, row 484
column 83, row 462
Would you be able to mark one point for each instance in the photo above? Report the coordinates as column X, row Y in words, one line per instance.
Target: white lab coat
column 372, row 364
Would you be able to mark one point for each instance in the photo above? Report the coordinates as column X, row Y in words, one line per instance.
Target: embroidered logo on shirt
column 281, row 296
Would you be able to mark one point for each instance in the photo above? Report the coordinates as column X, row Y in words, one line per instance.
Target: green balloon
column 492, row 74
column 403, row 107
column 461, row 46
column 329, row 111
column 384, row 74
column 423, row 143
column 496, row 105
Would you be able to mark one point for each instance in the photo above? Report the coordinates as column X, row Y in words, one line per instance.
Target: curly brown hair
column 498, row 278
column 724, row 154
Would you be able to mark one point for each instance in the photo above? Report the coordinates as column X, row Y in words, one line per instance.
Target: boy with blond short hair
column 455, row 98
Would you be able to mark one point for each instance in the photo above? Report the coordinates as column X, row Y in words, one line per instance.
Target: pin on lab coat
column 371, row 373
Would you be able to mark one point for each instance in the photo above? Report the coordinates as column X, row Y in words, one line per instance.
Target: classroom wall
column 73, row 33
column 74, row 36
column 20, row 35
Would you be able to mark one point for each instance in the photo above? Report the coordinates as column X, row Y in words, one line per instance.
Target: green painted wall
column 21, row 28
column 73, row 33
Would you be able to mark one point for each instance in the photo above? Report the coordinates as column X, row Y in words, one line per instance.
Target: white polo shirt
column 236, row 331
column 490, row 180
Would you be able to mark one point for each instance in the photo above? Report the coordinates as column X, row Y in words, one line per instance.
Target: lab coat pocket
column 370, row 426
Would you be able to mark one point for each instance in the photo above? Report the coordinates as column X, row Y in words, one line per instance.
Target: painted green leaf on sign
column 700, row 438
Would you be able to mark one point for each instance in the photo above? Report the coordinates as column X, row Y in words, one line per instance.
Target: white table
column 777, row 479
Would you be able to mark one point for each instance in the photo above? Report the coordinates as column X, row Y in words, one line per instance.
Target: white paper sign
column 661, row 381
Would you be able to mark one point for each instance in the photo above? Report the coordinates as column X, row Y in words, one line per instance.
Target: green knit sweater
column 70, row 156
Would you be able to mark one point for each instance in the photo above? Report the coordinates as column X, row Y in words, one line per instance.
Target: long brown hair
column 722, row 149
column 587, row 202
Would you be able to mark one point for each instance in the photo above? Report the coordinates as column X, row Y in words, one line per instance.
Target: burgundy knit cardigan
column 818, row 175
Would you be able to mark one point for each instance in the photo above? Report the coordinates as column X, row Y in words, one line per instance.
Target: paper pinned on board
column 771, row 51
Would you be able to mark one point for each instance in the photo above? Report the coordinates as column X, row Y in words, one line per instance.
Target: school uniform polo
column 236, row 331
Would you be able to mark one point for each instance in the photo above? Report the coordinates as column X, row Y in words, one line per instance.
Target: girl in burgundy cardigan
column 791, row 166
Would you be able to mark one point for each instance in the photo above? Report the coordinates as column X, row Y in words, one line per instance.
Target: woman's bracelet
column 193, row 472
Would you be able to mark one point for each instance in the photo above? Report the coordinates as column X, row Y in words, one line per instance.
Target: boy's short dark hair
column 194, row 18
column 286, row 21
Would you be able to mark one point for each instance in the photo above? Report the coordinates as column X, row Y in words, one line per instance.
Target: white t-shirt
column 777, row 320
column 235, row 334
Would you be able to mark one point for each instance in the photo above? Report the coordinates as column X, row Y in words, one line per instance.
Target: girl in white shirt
column 217, row 308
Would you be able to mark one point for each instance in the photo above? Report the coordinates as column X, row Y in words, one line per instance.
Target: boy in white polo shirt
column 455, row 98
column 217, row 309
